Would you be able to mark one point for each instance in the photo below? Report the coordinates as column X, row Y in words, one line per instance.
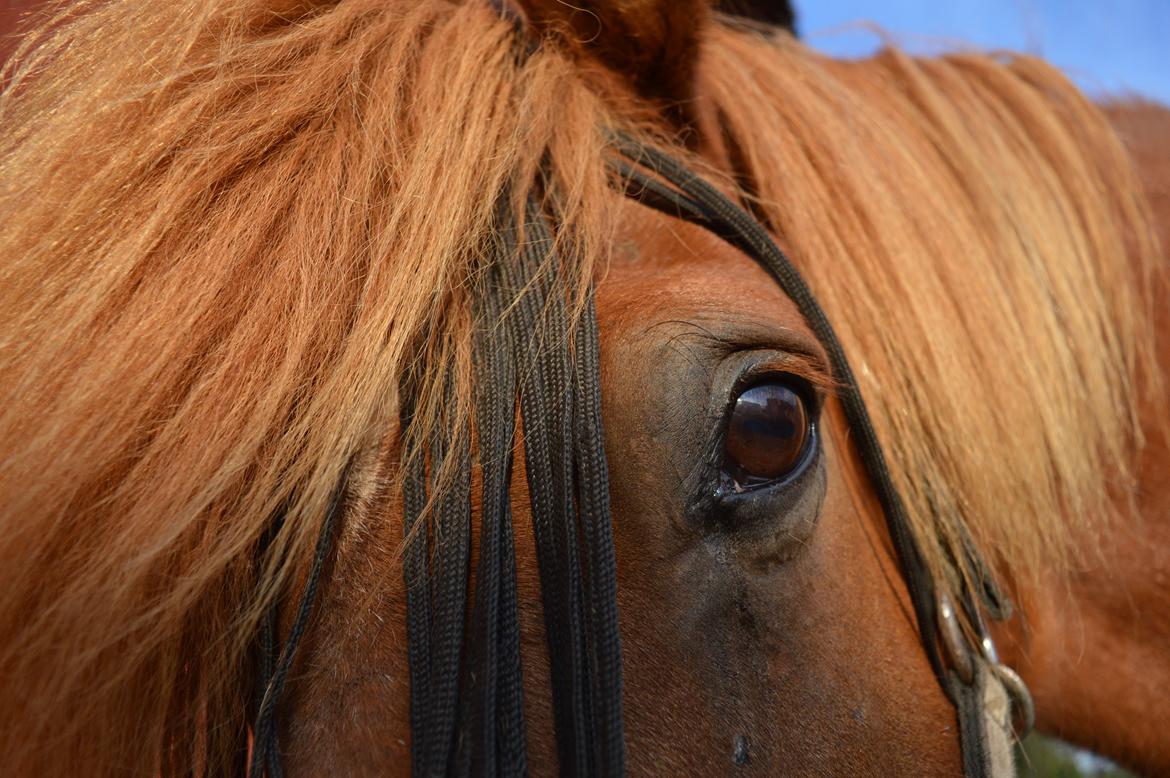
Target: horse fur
column 183, row 180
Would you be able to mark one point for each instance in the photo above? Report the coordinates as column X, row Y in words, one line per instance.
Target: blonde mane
column 227, row 225
column 978, row 237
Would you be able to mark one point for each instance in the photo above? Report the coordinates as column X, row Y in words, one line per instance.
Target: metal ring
column 961, row 656
column 957, row 650
column 1022, row 702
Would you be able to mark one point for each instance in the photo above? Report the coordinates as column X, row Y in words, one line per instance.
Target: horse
column 242, row 246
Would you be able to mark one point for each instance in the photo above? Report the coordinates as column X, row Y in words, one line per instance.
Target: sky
column 1106, row 47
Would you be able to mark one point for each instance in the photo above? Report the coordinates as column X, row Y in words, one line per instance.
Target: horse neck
column 1095, row 645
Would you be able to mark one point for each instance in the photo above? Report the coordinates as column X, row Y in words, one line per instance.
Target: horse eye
column 767, row 434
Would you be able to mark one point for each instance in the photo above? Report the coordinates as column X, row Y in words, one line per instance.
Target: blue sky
column 1118, row 46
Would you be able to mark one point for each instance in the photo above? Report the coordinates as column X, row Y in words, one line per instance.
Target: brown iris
column 766, row 434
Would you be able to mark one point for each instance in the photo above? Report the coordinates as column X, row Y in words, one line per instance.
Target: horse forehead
column 663, row 267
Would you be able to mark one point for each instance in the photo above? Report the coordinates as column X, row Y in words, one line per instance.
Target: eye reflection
column 767, row 434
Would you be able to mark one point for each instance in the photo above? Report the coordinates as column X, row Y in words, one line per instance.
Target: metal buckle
column 961, row 657
column 954, row 642
column 1022, row 704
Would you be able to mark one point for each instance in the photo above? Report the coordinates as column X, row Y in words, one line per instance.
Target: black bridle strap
column 273, row 669
column 548, row 409
column 467, row 712
column 493, row 706
column 436, row 569
column 699, row 202
column 538, row 320
column 560, row 401
column 694, row 199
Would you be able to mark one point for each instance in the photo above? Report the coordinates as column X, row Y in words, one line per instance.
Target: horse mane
column 229, row 225
column 978, row 236
column 226, row 228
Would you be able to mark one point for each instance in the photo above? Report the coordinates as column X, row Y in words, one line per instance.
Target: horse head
column 318, row 311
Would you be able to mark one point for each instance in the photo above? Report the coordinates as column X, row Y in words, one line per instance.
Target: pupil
column 766, row 434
